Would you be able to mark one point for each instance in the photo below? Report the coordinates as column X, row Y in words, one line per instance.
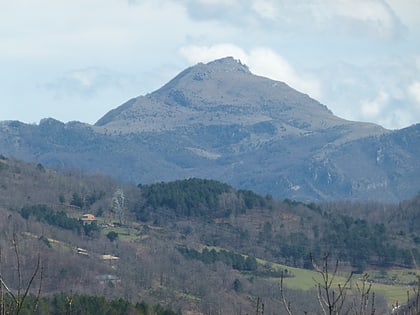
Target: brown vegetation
column 150, row 266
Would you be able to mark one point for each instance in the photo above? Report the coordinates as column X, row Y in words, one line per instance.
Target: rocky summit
column 220, row 121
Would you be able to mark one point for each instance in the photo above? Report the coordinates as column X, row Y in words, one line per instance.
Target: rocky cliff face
column 220, row 121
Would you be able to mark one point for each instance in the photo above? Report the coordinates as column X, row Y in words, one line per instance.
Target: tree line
column 80, row 304
column 234, row 260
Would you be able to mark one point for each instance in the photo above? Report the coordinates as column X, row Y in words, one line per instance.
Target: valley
column 198, row 246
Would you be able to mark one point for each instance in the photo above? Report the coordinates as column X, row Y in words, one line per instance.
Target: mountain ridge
column 220, row 121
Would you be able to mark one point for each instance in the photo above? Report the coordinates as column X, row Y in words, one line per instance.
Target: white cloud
column 364, row 10
column 195, row 54
column 265, row 9
column 371, row 109
column 87, row 29
column 377, row 91
column 414, row 92
column 218, row 2
column 386, row 111
column 390, row 111
column 407, row 12
column 84, row 78
column 261, row 61
column 373, row 18
column 266, row 62
column 87, row 82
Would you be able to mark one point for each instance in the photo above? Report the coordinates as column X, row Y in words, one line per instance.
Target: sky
column 78, row 59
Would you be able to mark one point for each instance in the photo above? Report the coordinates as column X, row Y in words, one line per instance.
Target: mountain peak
column 222, row 92
column 227, row 64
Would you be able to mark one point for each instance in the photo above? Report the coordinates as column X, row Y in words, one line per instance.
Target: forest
column 196, row 246
column 352, row 240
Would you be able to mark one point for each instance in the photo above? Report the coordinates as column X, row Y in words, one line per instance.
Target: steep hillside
column 219, row 121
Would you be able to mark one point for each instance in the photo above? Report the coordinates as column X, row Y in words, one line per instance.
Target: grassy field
column 392, row 284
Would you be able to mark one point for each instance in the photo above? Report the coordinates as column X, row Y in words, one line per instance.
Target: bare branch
column 4, row 285
column 321, row 299
column 286, row 304
column 22, row 299
column 19, row 271
column 39, row 288
column 329, row 298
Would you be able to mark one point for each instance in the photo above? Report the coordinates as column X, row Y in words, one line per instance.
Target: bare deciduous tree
column 16, row 298
column 363, row 300
column 118, row 204
column 331, row 300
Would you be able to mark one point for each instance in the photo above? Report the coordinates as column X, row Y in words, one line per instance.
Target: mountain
column 225, row 93
column 219, row 121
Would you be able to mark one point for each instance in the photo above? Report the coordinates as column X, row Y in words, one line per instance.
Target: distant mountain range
column 219, row 121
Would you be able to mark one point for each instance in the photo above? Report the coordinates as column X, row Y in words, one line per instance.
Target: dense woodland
column 192, row 245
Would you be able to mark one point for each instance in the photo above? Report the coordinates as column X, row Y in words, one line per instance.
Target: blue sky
column 76, row 60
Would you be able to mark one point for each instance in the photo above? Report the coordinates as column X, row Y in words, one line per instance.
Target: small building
column 109, row 257
column 88, row 218
column 82, row 251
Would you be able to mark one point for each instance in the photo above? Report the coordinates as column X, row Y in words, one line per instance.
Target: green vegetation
column 349, row 239
column 112, row 236
column 361, row 244
column 304, row 279
column 59, row 219
column 84, row 305
column 86, row 201
column 198, row 198
column 253, row 200
column 191, row 197
column 234, row 260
